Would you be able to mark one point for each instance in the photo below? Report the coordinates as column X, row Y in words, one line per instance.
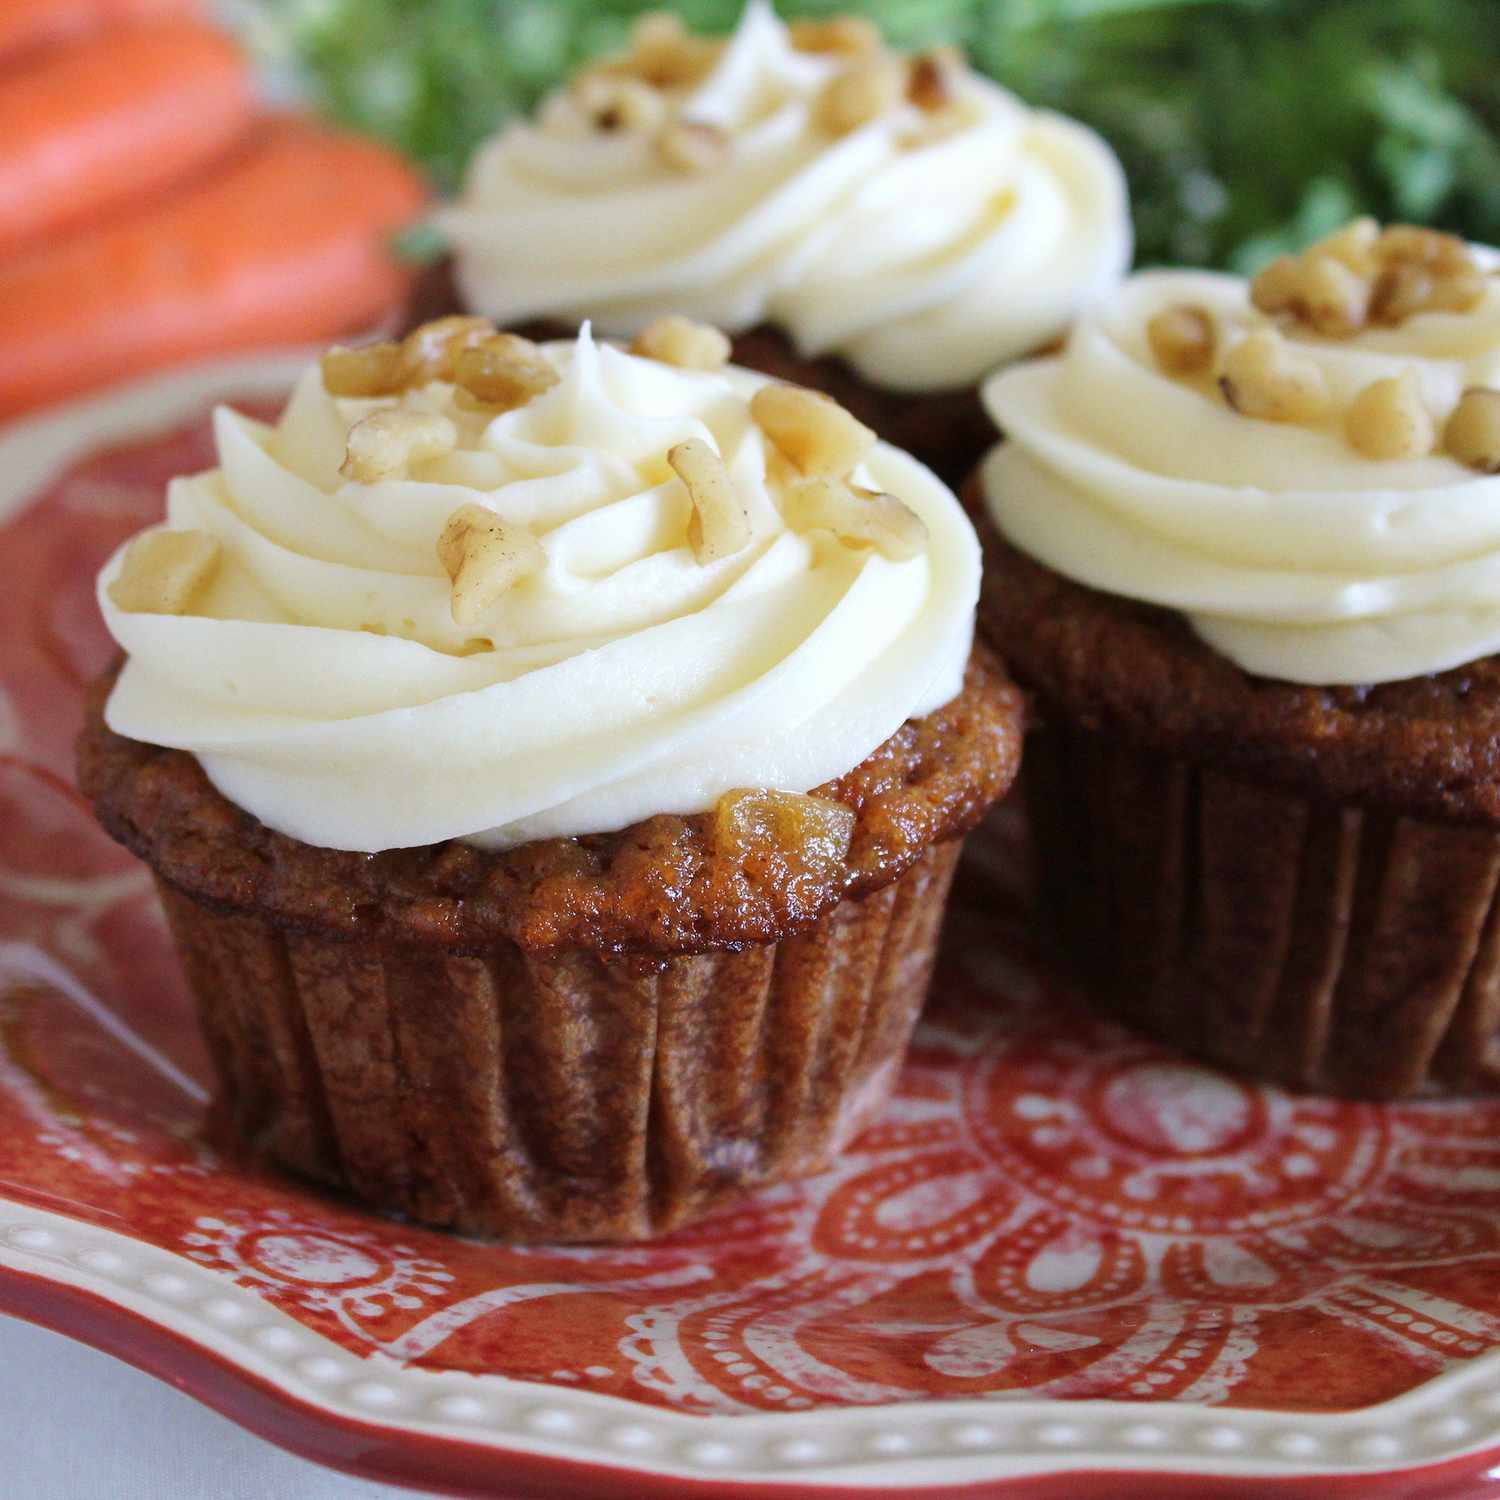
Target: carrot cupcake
column 553, row 761
column 886, row 228
column 1244, row 545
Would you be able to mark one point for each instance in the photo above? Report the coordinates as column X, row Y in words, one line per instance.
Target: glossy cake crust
column 659, row 887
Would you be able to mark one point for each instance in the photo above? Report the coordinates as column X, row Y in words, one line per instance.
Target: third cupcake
column 1243, row 543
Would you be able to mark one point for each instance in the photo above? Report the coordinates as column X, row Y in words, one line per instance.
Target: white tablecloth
column 78, row 1425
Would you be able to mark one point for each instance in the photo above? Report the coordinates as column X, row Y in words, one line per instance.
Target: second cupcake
column 886, row 228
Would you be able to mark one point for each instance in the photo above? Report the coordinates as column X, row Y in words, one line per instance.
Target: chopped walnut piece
column 1412, row 244
column 430, row 350
column 680, row 341
column 485, row 556
column 1362, row 274
column 1183, row 339
column 665, row 53
column 502, row 372
column 1389, row 419
column 1472, row 433
column 1277, row 287
column 1457, row 293
column 811, row 429
column 933, row 80
column 385, row 444
column 1334, row 299
column 619, row 102
column 1354, row 245
column 1399, row 293
column 1404, row 290
column 848, row 36
column 163, row 571
column 865, row 517
column 367, row 370
column 868, row 88
column 719, row 526
column 693, row 146
column 1264, row 377
column 817, row 830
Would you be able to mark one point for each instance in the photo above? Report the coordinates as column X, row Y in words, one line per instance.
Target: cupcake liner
column 1321, row 944
column 562, row 1096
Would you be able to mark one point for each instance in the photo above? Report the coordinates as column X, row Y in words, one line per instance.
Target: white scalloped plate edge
column 913, row 1445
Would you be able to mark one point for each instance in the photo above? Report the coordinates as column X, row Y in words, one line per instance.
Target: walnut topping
column 429, row 351
column 1403, row 291
column 1264, row 377
column 163, row 571
column 1389, row 419
column 501, row 372
column 1472, row 433
column 680, row 341
column 865, row 517
column 1412, row 244
column 868, row 88
column 369, row 370
column 1277, row 288
column 811, row 429
column 1334, row 298
column 933, row 81
column 1354, row 245
column 719, row 526
column 485, row 556
column 816, row 829
column 619, row 102
column 1363, row 274
column 1183, row 339
column 664, row 52
column 847, row 36
column 385, row 444
column 693, row 145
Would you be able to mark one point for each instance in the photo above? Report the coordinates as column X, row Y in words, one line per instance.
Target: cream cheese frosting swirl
column 322, row 682
column 923, row 257
column 1289, row 552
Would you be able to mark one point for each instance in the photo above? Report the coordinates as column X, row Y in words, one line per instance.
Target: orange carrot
column 25, row 24
column 113, row 120
column 287, row 242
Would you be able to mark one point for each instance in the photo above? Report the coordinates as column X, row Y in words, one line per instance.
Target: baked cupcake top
column 470, row 587
column 1306, row 465
column 902, row 213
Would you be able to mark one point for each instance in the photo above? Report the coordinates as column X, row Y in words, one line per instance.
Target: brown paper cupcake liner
column 1322, row 944
column 562, row 1096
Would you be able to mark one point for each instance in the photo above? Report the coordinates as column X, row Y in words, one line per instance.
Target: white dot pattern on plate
column 460, row 1409
column 1458, row 1413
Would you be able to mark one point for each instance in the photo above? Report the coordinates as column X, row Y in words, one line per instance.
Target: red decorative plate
column 1067, row 1262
